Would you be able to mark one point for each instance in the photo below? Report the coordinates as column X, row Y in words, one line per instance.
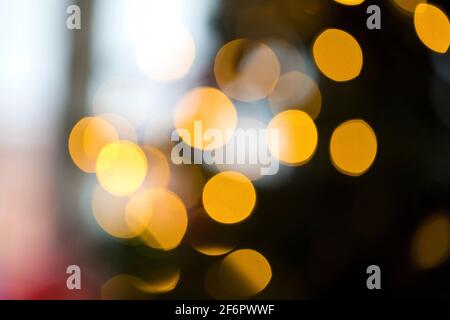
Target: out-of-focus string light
column 205, row 108
column 288, row 56
column 432, row 27
column 123, row 287
column 187, row 182
column 138, row 212
column 158, row 174
column 297, row 137
column 349, row 2
column 246, row 70
column 408, row 6
column 353, row 147
column 121, row 167
column 338, row 55
column 244, row 273
column 209, row 237
column 163, row 280
column 110, row 213
column 128, row 287
column 131, row 98
column 213, row 284
column 296, row 90
column 251, row 149
column 168, row 221
column 158, row 131
column 431, row 242
column 229, row 197
column 166, row 54
column 165, row 49
column 125, row 130
column 87, row 139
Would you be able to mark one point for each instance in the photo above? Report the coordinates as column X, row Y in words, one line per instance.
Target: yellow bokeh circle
column 202, row 110
column 110, row 213
column 164, row 279
column 187, row 182
column 209, row 237
column 349, row 2
column 408, row 6
column 431, row 242
column 168, row 222
column 338, row 55
column 158, row 174
column 229, row 197
column 121, row 167
column 125, row 130
column 296, row 90
column 246, row 70
column 138, row 212
column 297, row 137
column 432, row 27
column 123, row 287
column 353, row 147
column 244, row 273
column 87, row 139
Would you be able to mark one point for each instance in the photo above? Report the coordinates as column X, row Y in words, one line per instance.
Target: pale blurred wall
column 34, row 46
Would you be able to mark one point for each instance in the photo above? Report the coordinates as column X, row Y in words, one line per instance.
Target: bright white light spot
column 165, row 50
